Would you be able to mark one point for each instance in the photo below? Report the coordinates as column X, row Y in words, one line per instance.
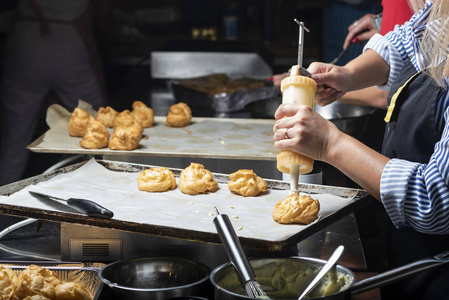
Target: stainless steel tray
column 208, row 105
column 359, row 199
column 84, row 273
column 205, row 138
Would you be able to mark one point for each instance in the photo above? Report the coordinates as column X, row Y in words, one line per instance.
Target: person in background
column 410, row 177
column 337, row 16
column 394, row 12
column 51, row 49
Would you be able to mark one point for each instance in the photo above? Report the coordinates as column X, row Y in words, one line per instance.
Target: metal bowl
column 350, row 119
column 156, row 278
column 281, row 278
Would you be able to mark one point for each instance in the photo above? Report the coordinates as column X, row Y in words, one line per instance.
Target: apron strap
column 395, row 97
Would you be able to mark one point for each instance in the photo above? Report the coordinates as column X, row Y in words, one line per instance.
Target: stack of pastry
column 106, row 116
column 127, row 132
column 38, row 283
column 96, row 136
column 94, row 133
column 128, row 127
column 79, row 120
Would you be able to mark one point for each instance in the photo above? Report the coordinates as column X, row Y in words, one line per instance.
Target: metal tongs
column 302, row 27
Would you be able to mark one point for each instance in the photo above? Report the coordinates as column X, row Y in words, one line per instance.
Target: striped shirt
column 415, row 194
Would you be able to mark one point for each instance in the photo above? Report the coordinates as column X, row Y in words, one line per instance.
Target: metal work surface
column 170, row 215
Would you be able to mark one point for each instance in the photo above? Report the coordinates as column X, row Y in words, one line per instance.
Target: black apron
column 411, row 134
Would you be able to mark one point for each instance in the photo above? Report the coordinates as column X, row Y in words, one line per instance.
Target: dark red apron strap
column 45, row 28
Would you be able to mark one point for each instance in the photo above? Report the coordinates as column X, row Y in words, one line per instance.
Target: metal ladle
column 330, row 263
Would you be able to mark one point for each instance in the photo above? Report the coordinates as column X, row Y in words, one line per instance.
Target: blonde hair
column 434, row 48
column 416, row 5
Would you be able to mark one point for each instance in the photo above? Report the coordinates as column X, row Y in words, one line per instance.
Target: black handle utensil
column 87, row 207
column 237, row 256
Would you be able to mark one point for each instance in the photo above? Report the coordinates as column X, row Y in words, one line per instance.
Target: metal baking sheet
column 205, row 138
column 84, row 273
column 207, row 105
column 183, row 216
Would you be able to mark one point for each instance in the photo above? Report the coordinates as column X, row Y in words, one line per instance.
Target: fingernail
column 355, row 40
column 272, row 78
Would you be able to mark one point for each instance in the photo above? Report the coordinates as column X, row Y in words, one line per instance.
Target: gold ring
column 286, row 134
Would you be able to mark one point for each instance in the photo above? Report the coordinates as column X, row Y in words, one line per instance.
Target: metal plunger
column 302, row 27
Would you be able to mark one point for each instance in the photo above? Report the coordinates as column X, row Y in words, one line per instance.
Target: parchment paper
column 250, row 216
column 205, row 137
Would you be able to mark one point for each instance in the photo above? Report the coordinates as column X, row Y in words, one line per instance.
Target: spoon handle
column 330, row 263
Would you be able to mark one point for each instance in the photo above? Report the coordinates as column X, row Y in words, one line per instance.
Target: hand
column 308, row 133
column 362, row 29
column 278, row 78
column 331, row 82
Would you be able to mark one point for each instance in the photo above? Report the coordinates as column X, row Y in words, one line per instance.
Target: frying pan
column 156, row 278
column 225, row 289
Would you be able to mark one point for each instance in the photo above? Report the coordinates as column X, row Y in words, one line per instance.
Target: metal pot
column 350, row 119
column 156, row 278
column 227, row 286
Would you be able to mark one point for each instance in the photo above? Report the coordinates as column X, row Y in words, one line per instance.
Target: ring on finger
column 355, row 23
column 286, row 134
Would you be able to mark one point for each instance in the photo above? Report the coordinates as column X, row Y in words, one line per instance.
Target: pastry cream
column 298, row 90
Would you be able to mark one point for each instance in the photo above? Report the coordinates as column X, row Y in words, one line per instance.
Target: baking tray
column 357, row 198
column 84, row 273
column 208, row 105
column 250, row 139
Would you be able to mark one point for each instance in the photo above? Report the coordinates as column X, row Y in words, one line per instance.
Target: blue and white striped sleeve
column 390, row 54
column 397, row 46
column 417, row 195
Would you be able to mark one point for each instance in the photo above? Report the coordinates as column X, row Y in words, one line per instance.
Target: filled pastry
column 143, row 113
column 79, row 120
column 246, row 183
column 125, row 118
column 195, row 179
column 8, row 283
column 96, row 137
column 72, row 291
column 37, row 281
column 125, row 138
column 296, row 210
column 106, row 116
column 36, row 297
column 156, row 180
column 179, row 115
